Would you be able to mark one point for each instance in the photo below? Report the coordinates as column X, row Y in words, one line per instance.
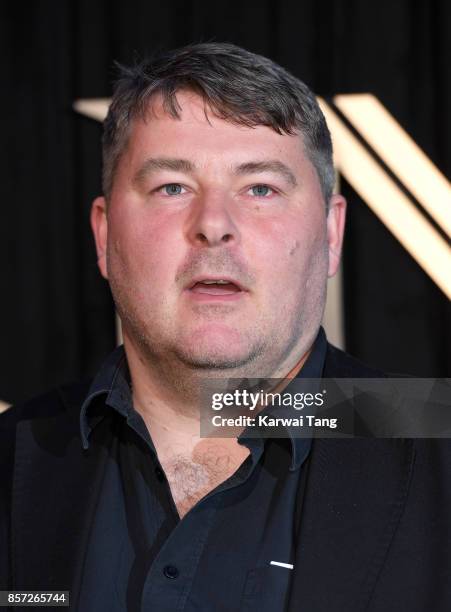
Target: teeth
column 215, row 282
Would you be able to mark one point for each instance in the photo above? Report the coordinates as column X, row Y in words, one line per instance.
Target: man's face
column 198, row 199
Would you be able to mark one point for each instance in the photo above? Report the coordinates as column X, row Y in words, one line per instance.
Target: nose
column 211, row 223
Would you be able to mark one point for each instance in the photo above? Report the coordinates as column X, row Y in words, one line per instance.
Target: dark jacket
column 374, row 532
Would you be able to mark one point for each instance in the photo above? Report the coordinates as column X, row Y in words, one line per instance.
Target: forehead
column 201, row 134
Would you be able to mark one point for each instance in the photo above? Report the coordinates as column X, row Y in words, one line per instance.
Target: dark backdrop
column 55, row 310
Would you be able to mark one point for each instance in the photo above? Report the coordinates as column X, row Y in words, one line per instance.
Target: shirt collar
column 113, row 381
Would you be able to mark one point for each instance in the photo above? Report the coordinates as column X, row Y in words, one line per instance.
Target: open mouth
column 215, row 287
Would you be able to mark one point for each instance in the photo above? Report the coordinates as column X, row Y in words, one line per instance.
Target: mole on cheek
column 295, row 248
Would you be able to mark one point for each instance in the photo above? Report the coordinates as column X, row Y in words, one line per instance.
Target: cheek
column 288, row 252
column 307, row 236
column 136, row 247
column 285, row 243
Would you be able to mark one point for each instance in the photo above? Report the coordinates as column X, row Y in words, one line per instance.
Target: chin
column 214, row 359
column 224, row 353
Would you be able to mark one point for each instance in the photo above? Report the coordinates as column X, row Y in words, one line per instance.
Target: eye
column 171, row 189
column 261, row 191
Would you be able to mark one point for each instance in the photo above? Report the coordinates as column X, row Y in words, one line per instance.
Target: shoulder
column 62, row 398
column 339, row 364
column 65, row 400
column 429, row 451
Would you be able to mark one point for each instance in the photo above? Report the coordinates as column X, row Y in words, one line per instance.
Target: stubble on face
column 157, row 337
column 162, row 346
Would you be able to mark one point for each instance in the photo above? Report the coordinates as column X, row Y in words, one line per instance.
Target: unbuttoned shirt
column 233, row 550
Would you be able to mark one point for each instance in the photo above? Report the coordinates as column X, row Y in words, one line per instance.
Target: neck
column 168, row 395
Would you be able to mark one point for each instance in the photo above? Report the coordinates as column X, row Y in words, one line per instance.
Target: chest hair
column 191, row 477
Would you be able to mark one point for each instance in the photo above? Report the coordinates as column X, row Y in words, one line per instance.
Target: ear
column 335, row 230
column 99, row 225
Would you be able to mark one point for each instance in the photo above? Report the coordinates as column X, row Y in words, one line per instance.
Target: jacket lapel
column 55, row 490
column 355, row 494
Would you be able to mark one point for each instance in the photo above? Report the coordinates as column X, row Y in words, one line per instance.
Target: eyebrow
column 273, row 165
column 162, row 163
column 183, row 165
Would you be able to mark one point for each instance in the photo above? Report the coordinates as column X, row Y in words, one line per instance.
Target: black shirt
column 231, row 551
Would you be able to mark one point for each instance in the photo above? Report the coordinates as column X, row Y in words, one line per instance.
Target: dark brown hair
column 236, row 85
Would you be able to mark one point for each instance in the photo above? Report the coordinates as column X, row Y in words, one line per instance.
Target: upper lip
column 201, row 278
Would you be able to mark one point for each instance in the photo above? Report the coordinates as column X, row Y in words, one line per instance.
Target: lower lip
column 208, row 297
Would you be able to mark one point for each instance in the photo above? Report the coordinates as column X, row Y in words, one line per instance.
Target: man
column 217, row 231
